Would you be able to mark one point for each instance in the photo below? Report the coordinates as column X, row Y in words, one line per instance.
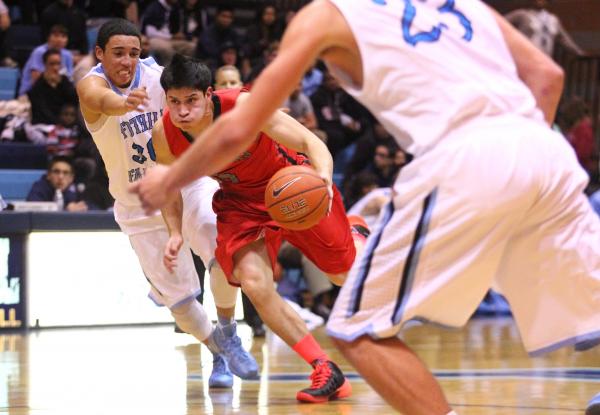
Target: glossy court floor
column 152, row 370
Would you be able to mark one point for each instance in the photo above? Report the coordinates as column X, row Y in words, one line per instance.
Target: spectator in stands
column 402, row 158
column 66, row 135
column 338, row 114
column 301, row 109
column 96, row 194
column 125, row 9
column 269, row 54
column 365, row 199
column 84, row 65
column 194, row 19
column 65, row 13
column 57, row 39
column 383, row 165
column 364, row 149
column 313, row 78
column 216, row 34
column 31, row 10
column 59, row 177
column 163, row 25
column 573, row 118
column 51, row 91
column 4, row 25
column 543, row 28
column 227, row 77
column 228, row 56
column 262, row 33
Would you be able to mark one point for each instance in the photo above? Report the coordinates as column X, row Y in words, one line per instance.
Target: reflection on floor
column 152, row 370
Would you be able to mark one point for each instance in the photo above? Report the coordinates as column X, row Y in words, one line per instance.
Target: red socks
column 309, row 349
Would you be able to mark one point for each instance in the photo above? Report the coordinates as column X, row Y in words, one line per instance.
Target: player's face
column 120, row 58
column 187, row 106
column 228, row 79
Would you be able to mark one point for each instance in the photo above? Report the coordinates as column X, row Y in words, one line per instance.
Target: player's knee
column 256, row 287
column 337, row 279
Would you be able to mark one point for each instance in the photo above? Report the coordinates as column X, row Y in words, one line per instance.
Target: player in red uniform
column 248, row 239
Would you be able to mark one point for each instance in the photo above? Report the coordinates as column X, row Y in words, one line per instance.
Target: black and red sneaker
column 328, row 383
column 358, row 226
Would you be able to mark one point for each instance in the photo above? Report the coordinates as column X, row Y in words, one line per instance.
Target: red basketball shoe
column 328, row 382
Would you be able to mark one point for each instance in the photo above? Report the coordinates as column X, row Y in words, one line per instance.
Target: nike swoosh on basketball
column 276, row 192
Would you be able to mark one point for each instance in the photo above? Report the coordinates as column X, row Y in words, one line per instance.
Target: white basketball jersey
column 125, row 143
column 431, row 66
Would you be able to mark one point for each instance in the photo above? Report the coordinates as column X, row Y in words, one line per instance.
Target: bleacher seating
column 92, row 35
column 21, row 40
column 23, row 156
column 9, row 79
column 15, row 184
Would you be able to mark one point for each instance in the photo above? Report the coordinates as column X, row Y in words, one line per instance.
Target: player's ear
column 209, row 92
column 99, row 53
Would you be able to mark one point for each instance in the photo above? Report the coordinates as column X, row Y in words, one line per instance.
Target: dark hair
column 570, row 111
column 60, row 159
column 354, row 189
column 224, row 8
column 49, row 53
column 186, row 72
column 58, row 28
column 116, row 27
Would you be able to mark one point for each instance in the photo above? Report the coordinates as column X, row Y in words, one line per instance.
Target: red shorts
column 240, row 221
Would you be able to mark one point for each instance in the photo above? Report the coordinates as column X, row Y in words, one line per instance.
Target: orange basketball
column 296, row 197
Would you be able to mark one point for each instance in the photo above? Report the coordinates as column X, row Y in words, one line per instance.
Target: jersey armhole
column 97, row 125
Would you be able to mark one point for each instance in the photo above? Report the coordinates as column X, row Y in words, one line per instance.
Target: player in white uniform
column 492, row 196
column 121, row 99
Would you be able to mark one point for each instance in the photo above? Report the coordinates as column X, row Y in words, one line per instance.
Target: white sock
column 451, row 413
column 225, row 295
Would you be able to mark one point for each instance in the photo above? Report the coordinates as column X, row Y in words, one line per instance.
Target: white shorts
column 501, row 205
column 199, row 221
column 166, row 288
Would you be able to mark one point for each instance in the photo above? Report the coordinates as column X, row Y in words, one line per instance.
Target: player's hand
column 136, row 100
column 171, row 251
column 152, row 189
column 326, row 177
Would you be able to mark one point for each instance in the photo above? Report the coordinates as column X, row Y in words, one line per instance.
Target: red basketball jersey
column 249, row 174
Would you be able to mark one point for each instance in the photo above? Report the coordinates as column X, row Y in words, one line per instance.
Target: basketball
column 296, row 197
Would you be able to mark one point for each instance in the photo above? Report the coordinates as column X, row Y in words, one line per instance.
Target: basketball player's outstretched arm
column 96, row 98
column 305, row 39
column 539, row 72
column 172, row 212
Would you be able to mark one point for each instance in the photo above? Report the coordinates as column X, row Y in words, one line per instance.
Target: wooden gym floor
column 152, row 370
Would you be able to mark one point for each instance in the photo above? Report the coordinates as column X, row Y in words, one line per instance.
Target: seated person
column 57, row 39
column 51, row 91
column 301, row 110
column 227, row 77
column 58, row 178
column 220, row 31
column 162, row 24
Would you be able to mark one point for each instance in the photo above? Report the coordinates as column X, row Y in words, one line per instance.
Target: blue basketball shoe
column 240, row 362
column 220, row 377
column 593, row 406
